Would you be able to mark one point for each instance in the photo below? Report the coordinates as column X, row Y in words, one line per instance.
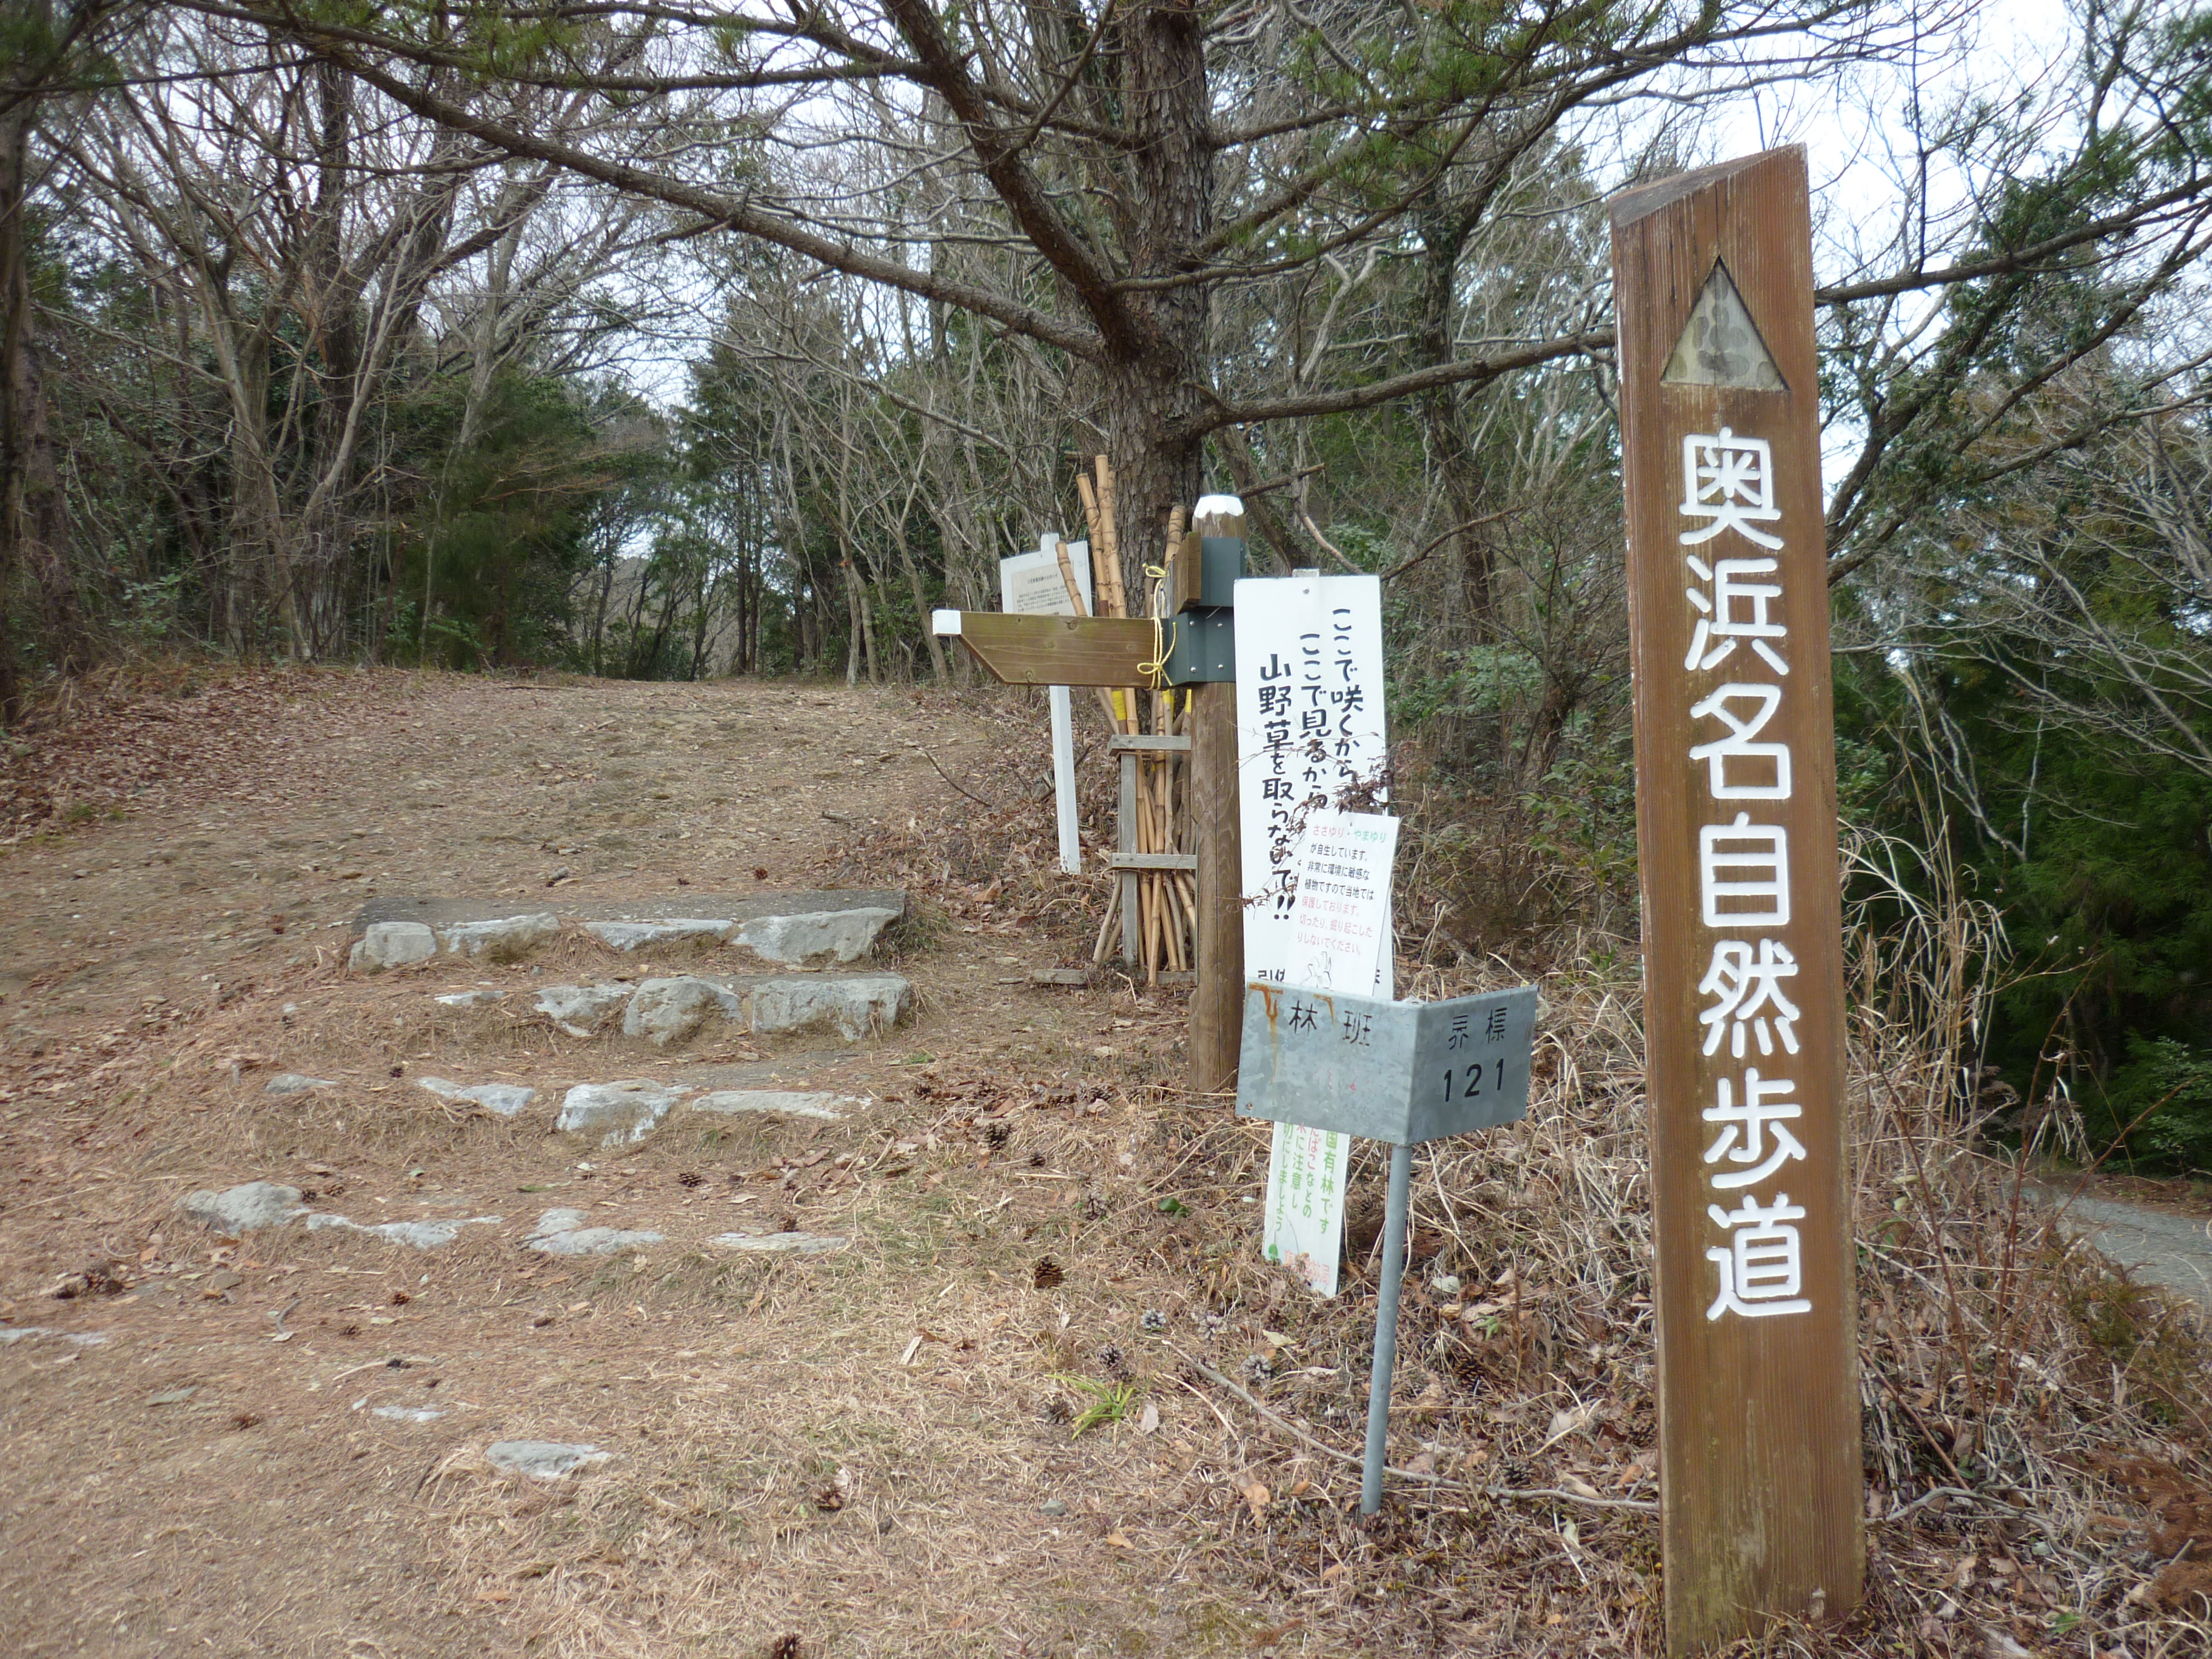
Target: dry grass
column 2031, row 1416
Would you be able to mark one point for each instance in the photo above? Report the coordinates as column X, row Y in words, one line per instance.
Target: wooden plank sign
column 1110, row 651
column 1735, row 798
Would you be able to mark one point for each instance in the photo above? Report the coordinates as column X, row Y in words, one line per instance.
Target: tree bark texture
column 32, row 519
column 1153, row 368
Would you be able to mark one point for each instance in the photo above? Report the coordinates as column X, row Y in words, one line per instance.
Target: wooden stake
column 1217, row 999
column 1075, row 596
column 1173, row 894
column 1106, row 927
column 1113, row 542
column 1148, row 897
column 1067, row 575
column 1089, row 499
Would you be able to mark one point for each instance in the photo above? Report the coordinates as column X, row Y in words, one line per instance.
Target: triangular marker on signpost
column 1721, row 345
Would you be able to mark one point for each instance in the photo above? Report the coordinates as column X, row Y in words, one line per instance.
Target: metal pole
column 1386, row 1328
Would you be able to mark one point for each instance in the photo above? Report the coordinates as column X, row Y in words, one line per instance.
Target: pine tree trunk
column 1151, row 379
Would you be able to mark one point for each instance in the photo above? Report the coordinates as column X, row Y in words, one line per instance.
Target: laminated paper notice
column 1339, row 934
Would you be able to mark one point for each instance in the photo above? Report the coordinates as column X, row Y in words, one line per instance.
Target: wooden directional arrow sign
column 1109, row 651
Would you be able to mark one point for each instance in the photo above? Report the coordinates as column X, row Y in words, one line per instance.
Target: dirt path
column 279, row 1445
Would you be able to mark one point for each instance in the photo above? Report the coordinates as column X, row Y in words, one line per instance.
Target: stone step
column 790, row 930
column 565, row 1232
column 259, row 1205
column 673, row 1008
column 624, row 1112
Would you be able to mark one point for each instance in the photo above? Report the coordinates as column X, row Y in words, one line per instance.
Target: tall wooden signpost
column 1758, row 1412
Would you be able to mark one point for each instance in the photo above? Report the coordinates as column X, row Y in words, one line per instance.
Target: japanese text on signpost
column 1743, row 872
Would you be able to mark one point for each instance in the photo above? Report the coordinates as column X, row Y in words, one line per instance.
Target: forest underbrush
column 2035, row 1423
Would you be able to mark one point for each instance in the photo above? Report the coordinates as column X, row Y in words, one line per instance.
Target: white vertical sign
column 1031, row 584
column 1309, row 728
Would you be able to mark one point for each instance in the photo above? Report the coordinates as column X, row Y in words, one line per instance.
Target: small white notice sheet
column 1339, row 935
column 1341, row 917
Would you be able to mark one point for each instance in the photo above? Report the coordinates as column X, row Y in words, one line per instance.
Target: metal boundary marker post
column 1405, row 1072
column 1386, row 1328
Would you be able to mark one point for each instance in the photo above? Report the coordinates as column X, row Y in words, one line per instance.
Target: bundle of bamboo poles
column 1166, row 900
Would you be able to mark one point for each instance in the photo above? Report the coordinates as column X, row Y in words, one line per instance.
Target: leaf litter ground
column 1048, row 1402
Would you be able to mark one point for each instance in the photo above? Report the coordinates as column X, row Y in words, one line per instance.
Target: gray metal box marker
column 1202, row 647
column 1221, row 562
column 1399, row 1072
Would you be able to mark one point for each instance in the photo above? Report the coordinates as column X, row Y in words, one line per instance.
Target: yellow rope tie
column 1163, row 635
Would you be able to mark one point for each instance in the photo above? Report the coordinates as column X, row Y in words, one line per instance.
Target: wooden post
column 1217, row 999
column 1735, row 795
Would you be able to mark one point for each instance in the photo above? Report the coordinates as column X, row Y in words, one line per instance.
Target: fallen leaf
column 1148, row 1420
column 1118, row 1542
column 1567, row 1422
column 1257, row 1496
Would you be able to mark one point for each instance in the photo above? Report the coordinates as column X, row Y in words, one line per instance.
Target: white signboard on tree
column 1034, row 584
column 1310, row 738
